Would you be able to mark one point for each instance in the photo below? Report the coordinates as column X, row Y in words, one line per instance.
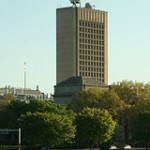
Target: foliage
column 94, row 126
column 86, row 98
column 111, row 102
column 136, row 97
column 118, row 138
column 96, row 98
column 142, row 127
column 5, row 115
column 49, row 129
column 49, row 106
column 52, row 123
column 10, row 111
column 9, row 97
column 130, row 91
column 144, row 99
column 123, row 100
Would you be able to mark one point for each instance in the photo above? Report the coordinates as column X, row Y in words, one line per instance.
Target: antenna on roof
column 75, row 2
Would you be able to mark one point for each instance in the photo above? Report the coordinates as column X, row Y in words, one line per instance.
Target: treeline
column 95, row 118
column 45, row 123
column 128, row 103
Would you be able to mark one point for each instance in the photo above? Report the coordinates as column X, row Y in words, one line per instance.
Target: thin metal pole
column 25, row 81
column 19, row 139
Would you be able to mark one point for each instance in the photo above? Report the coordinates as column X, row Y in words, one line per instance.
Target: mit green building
column 81, row 43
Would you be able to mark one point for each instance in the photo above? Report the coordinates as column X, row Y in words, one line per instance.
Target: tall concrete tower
column 82, row 43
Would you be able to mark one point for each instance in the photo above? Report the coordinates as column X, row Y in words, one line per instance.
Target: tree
column 135, row 96
column 48, row 129
column 144, row 99
column 94, row 126
column 118, row 137
column 111, row 102
column 10, row 111
column 5, row 115
column 86, row 98
column 43, row 106
column 129, row 91
column 96, row 98
column 142, row 127
column 47, row 115
column 9, row 97
column 50, row 106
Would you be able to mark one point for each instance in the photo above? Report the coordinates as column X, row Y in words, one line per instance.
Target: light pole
column 19, row 139
column 25, row 81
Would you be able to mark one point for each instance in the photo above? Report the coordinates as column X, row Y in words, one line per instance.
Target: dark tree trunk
column 90, row 147
column 146, row 144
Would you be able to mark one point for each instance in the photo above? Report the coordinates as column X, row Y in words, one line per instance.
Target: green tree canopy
column 96, row 98
column 5, row 115
column 142, row 128
column 47, row 106
column 130, row 92
column 86, row 98
column 136, row 97
column 10, row 111
column 49, row 129
column 94, row 126
column 9, row 97
column 111, row 102
column 118, row 138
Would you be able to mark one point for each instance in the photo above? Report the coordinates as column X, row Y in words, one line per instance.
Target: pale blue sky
column 28, row 34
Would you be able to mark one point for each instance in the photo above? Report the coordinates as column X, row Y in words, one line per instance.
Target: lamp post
column 19, row 139
column 25, row 81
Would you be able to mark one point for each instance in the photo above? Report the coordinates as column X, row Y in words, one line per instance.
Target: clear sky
column 28, row 34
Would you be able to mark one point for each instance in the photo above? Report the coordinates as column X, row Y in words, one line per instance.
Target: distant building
column 22, row 93
column 69, row 87
column 82, row 43
column 81, row 50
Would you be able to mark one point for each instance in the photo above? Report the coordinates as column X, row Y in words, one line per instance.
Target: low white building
column 22, row 93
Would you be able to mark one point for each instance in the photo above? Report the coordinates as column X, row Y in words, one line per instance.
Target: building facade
column 82, row 43
column 65, row 90
column 21, row 93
